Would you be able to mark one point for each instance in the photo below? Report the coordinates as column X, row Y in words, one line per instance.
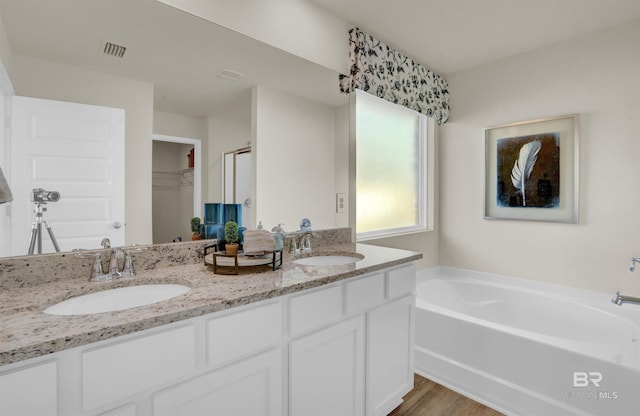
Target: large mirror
column 184, row 80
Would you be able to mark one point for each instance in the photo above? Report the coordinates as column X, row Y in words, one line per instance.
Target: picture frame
column 531, row 170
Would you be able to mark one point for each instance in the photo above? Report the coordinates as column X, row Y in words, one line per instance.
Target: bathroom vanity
column 302, row 340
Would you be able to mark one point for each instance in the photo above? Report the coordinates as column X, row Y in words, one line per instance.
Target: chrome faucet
column 305, row 242
column 619, row 299
column 113, row 270
column 634, row 260
column 114, row 262
column 303, row 245
column 293, row 246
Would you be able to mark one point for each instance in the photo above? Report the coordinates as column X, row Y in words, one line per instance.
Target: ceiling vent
column 114, row 50
column 229, row 74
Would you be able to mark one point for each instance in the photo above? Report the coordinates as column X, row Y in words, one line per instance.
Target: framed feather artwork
column 531, row 170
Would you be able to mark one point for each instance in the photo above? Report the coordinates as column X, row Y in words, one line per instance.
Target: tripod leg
column 34, row 233
column 53, row 237
column 40, row 238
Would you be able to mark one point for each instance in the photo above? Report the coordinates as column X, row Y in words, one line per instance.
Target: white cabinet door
column 128, row 410
column 390, row 337
column 78, row 151
column 251, row 387
column 30, row 391
column 327, row 371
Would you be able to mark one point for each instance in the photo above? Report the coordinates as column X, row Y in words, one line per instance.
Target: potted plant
column 231, row 237
column 195, row 228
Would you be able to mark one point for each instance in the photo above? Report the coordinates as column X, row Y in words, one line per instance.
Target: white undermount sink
column 116, row 299
column 331, row 260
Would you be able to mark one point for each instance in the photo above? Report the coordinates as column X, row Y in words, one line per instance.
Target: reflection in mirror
column 181, row 76
column 176, row 186
column 237, row 181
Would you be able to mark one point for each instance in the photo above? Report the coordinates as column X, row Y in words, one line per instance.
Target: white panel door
column 78, row 151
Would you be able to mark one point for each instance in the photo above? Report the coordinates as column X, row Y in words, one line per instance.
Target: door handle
column 117, row 225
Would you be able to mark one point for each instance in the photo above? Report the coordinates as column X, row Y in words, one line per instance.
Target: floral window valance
column 382, row 71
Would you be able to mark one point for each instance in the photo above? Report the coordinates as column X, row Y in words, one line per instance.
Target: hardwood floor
column 431, row 399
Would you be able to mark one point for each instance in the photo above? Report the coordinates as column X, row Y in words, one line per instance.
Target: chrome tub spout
column 619, row 299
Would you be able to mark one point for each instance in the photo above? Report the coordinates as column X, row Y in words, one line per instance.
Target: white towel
column 5, row 192
column 258, row 242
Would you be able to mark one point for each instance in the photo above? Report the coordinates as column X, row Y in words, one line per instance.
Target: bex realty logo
column 586, row 378
column 588, row 383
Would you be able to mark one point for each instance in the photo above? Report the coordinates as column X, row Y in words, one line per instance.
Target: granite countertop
column 26, row 332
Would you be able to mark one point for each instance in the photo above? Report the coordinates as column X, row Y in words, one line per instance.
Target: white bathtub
column 527, row 348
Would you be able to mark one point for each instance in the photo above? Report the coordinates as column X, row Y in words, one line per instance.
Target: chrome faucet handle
column 293, row 247
column 305, row 241
column 97, row 272
column 96, row 268
column 127, row 268
column 114, row 263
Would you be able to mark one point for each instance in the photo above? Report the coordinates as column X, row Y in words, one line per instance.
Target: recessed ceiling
column 181, row 54
column 449, row 36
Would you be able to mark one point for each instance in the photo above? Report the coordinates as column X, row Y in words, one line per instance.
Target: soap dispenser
column 278, row 236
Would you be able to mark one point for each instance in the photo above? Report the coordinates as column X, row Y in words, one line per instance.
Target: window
column 391, row 168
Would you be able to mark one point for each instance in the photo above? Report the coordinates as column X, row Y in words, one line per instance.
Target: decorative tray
column 224, row 259
column 224, row 263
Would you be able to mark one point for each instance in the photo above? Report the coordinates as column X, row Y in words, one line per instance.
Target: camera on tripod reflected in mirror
column 41, row 196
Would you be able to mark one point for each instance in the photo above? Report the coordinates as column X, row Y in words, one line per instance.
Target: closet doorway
column 176, row 182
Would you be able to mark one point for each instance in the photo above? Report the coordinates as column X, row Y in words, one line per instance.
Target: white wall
column 6, row 90
column 46, row 79
column 341, row 161
column 294, row 160
column 6, row 55
column 5, row 209
column 177, row 125
column 597, row 76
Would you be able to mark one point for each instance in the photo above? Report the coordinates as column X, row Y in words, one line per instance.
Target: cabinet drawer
column 365, row 293
column 401, row 281
column 315, row 309
column 125, row 368
column 239, row 334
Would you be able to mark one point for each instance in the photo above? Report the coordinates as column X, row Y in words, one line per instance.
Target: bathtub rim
column 595, row 300
column 560, row 292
